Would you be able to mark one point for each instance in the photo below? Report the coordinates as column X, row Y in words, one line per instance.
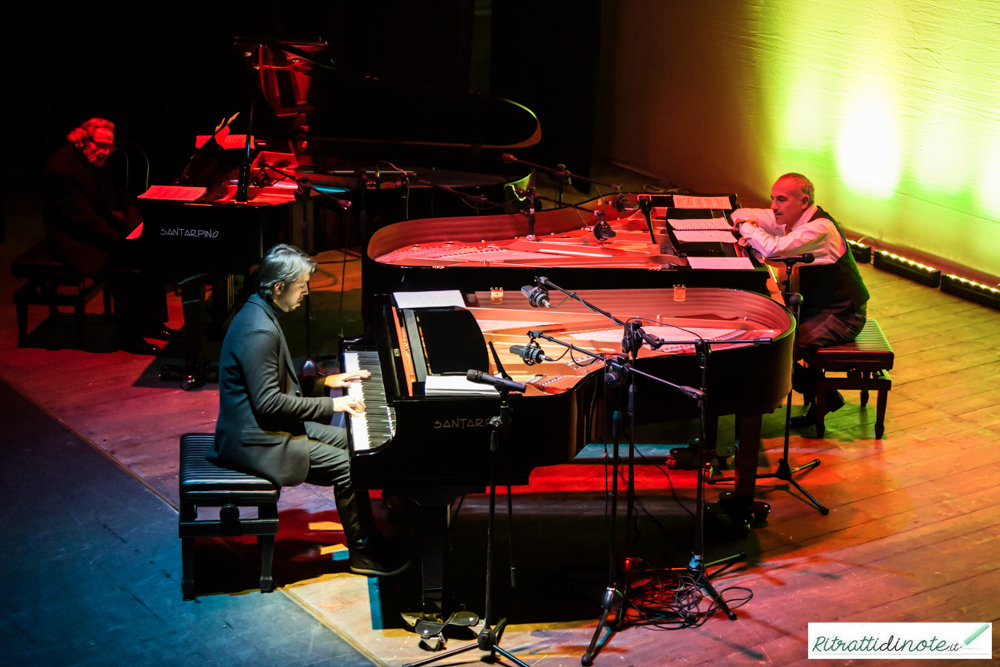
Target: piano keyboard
column 377, row 425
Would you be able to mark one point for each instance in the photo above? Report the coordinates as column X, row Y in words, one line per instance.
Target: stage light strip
column 862, row 253
column 907, row 268
column 971, row 291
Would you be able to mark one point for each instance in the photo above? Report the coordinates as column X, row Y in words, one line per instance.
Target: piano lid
column 343, row 119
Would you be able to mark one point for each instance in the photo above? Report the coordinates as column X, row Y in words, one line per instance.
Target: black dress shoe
column 137, row 345
column 161, row 333
column 834, row 402
column 379, row 557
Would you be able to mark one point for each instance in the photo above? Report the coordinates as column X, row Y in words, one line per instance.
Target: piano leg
column 748, row 449
column 435, row 507
column 434, row 540
column 740, row 504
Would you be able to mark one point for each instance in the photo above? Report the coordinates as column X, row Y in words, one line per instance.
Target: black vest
column 836, row 286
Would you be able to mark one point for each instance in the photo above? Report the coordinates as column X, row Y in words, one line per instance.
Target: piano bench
column 45, row 276
column 204, row 484
column 861, row 364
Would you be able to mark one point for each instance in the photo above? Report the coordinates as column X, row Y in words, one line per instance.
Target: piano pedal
column 681, row 458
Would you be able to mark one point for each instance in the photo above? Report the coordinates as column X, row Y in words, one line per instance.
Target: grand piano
column 347, row 140
column 629, row 241
column 415, row 414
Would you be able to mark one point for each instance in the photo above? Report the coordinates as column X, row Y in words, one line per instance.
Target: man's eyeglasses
column 103, row 145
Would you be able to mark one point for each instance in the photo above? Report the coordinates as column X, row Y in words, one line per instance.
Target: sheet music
column 720, row 262
column 455, row 385
column 438, row 299
column 707, row 236
column 700, row 224
column 173, row 193
column 685, row 201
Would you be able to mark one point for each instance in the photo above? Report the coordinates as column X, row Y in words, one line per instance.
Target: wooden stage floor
column 914, row 516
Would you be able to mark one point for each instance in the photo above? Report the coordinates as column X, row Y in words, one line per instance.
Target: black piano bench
column 861, row 364
column 45, row 276
column 204, row 484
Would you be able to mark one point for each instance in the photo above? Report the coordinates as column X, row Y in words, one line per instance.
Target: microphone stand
column 784, row 472
column 560, row 174
column 601, row 229
column 303, row 191
column 489, row 637
column 633, row 340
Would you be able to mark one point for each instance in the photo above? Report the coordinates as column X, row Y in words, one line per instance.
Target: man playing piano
column 86, row 221
column 271, row 426
column 833, row 293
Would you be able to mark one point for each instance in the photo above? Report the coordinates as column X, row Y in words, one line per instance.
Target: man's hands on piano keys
column 349, row 404
column 342, row 380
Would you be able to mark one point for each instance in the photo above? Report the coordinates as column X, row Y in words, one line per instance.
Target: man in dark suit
column 269, row 428
column 87, row 219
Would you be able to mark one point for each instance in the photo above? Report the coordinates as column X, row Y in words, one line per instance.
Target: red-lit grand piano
column 422, row 442
column 499, row 251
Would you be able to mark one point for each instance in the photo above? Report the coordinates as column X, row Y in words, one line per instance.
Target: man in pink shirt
column 834, row 296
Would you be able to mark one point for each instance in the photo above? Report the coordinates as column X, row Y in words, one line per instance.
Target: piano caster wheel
column 193, row 380
column 742, row 513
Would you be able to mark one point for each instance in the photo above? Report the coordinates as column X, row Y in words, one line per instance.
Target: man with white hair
column 87, row 219
column 268, row 428
column 834, row 296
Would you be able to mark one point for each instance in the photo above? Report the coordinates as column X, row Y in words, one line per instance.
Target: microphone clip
column 601, row 229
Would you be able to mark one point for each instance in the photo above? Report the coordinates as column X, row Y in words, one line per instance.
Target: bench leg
column 187, row 561
column 80, row 315
column 22, row 323
column 820, row 410
column 106, row 293
column 266, row 545
column 883, row 398
column 864, row 397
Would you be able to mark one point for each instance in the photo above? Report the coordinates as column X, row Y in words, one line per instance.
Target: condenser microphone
column 531, row 354
column 480, row 377
column 538, row 297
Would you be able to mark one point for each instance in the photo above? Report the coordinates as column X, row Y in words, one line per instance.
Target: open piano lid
column 341, row 119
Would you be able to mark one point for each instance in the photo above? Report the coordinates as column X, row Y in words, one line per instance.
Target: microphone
column 795, row 259
column 691, row 392
column 531, row 354
column 537, row 296
column 509, row 159
column 480, row 377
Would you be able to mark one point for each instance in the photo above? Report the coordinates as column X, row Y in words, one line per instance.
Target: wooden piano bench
column 204, row 484
column 861, row 364
column 45, row 276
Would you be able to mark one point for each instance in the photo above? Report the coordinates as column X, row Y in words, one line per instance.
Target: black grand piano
column 416, row 415
column 391, row 152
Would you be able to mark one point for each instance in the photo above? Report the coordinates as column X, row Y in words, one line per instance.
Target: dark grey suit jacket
column 265, row 422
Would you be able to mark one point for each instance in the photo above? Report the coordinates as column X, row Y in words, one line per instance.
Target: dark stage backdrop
column 168, row 72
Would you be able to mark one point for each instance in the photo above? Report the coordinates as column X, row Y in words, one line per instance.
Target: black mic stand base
column 612, row 604
column 487, row 641
column 696, row 570
column 784, row 471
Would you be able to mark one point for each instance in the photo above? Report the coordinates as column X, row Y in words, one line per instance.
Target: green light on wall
column 867, row 147
column 988, row 183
